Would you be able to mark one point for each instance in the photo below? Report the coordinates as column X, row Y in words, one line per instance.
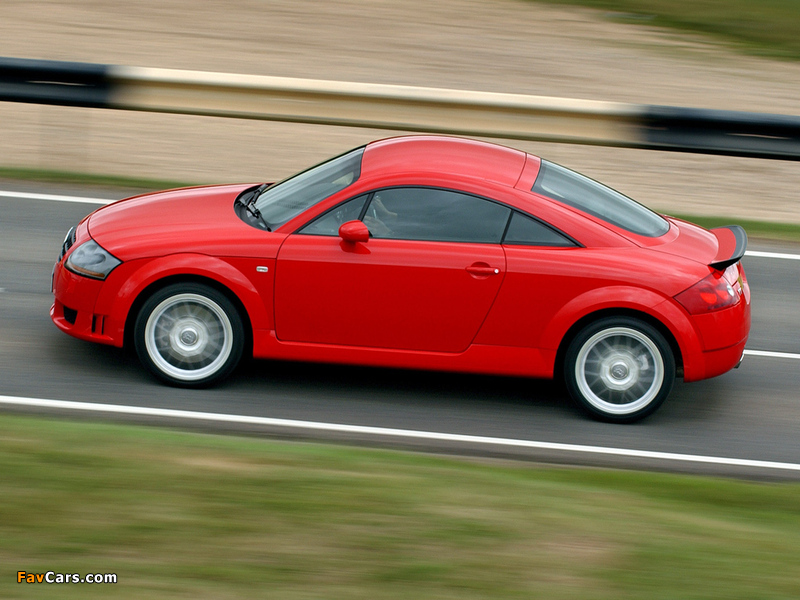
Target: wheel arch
column 590, row 318
column 160, row 284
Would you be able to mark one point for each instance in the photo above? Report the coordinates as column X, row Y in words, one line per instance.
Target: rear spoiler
column 732, row 246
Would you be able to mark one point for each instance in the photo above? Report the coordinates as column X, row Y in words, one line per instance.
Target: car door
column 425, row 280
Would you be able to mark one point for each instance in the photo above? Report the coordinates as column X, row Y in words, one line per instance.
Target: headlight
column 91, row 260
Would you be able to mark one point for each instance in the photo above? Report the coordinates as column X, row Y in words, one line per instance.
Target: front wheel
column 619, row 369
column 189, row 334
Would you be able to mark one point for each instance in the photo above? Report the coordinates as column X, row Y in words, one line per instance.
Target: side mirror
column 354, row 231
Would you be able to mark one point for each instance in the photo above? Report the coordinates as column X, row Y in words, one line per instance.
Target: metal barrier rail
column 431, row 110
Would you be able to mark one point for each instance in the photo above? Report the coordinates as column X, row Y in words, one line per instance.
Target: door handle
column 482, row 270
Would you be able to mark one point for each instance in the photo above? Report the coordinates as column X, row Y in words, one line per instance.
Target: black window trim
column 371, row 194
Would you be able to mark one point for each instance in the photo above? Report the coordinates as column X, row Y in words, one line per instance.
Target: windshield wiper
column 250, row 205
column 256, row 193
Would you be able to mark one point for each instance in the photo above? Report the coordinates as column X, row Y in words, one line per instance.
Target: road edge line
column 390, row 432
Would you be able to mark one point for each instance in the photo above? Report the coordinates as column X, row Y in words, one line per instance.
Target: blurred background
column 617, row 52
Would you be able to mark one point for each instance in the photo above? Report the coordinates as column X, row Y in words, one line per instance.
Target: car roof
column 443, row 155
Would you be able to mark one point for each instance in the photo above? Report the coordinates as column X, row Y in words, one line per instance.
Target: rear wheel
column 619, row 369
column 189, row 334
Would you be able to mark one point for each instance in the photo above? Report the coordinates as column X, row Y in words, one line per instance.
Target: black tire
column 619, row 369
column 189, row 335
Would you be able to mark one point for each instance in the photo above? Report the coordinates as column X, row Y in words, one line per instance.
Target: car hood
column 718, row 247
column 200, row 219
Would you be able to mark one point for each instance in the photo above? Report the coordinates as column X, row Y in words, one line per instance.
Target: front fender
column 129, row 280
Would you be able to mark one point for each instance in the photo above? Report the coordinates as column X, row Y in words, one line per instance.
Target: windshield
column 287, row 199
column 574, row 189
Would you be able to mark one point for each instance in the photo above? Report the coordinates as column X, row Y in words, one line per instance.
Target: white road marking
column 757, row 254
column 54, row 197
column 390, row 432
column 767, row 354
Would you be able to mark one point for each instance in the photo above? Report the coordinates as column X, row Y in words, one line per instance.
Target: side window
column 429, row 214
column 525, row 231
column 329, row 222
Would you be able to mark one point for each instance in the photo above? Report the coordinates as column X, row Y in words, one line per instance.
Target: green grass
column 52, row 176
column 185, row 515
column 762, row 27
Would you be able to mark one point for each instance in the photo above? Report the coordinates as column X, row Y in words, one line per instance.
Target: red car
column 417, row 252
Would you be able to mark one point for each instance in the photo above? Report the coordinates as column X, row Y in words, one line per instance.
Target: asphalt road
column 750, row 413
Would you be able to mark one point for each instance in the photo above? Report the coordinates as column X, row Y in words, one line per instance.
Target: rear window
column 590, row 196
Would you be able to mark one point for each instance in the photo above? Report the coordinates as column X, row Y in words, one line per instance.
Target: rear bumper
column 722, row 336
column 717, row 362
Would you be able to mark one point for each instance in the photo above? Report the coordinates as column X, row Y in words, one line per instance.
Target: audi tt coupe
column 420, row 252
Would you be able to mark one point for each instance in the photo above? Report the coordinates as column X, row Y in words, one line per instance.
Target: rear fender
column 662, row 309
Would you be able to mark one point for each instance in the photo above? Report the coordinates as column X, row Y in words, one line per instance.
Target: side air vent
column 70, row 315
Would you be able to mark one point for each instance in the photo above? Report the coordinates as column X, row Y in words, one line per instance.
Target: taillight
column 709, row 294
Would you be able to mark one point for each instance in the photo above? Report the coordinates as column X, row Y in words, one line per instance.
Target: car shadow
column 410, row 387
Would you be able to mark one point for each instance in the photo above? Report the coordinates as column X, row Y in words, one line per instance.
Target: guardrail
column 431, row 110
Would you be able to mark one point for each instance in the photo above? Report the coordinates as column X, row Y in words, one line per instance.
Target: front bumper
column 73, row 310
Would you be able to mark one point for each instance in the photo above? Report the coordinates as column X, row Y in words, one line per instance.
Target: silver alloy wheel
column 619, row 370
column 188, row 337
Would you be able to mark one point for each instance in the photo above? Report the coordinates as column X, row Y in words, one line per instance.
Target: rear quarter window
column 525, row 231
